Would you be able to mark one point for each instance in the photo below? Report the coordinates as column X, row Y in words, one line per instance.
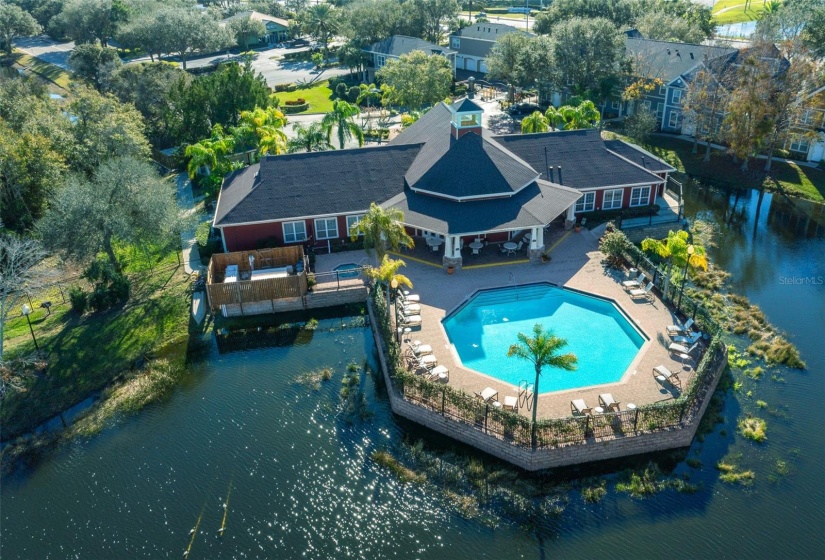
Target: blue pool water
column 348, row 270
column 602, row 338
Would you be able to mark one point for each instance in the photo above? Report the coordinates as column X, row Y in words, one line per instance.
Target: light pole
column 690, row 250
column 27, row 311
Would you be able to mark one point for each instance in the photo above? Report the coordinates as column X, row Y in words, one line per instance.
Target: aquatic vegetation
column 593, row 493
column 761, row 404
column 732, row 475
column 777, row 379
column 354, row 402
column 694, row 463
column 754, row 373
column 312, row 379
column 311, row 325
column 753, row 429
column 405, row 475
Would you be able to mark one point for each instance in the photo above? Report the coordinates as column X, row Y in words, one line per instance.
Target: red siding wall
column 655, row 190
column 245, row 237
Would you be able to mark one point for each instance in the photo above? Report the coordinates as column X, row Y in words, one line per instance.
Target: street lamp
column 690, row 250
column 27, row 311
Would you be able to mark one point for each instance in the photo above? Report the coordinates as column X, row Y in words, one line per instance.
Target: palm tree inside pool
column 542, row 350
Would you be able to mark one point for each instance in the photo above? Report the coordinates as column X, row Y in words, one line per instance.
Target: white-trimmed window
column 352, row 220
column 799, row 144
column 675, row 119
column 808, row 117
column 380, row 60
column 586, row 203
column 612, row 199
column 455, row 43
column 640, row 196
column 295, row 232
column 615, row 105
column 662, row 91
column 677, row 97
column 326, row 228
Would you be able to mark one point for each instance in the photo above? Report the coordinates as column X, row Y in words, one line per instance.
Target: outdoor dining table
column 476, row 246
column 510, row 247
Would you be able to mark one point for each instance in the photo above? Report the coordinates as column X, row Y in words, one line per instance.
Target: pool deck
column 576, row 263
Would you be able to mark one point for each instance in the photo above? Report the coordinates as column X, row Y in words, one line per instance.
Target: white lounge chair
column 662, row 374
column 637, row 283
column 676, row 348
column 411, row 308
column 642, row 293
column 488, row 394
column 407, row 296
column 577, row 406
column 689, row 339
column 511, row 402
column 607, row 402
column 440, row 373
column 409, row 320
column 421, row 349
column 673, row 330
column 429, row 361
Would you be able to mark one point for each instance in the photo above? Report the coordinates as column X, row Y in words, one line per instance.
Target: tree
column 587, row 54
column 246, row 30
column 311, row 138
column 696, row 15
column 124, row 202
column 640, row 125
column 320, row 22
column 554, row 117
column 813, row 36
column 342, row 119
column 668, row 27
column 41, row 10
column 104, row 128
column 619, row 12
column 15, row 22
column 675, row 250
column 416, row 79
column 705, row 99
column 21, row 274
column 382, row 229
column 186, row 31
column 367, row 21
column 144, row 32
column 583, row 115
column 87, row 21
column 426, row 18
column 261, row 129
column 95, row 64
column 747, row 121
column 509, row 61
column 534, row 123
column 210, row 153
column 386, row 273
column 542, row 350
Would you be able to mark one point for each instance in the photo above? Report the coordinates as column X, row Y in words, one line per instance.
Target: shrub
column 317, row 59
column 353, row 94
column 299, row 101
column 110, row 286
column 341, row 90
column 291, row 87
column 613, row 244
column 79, row 299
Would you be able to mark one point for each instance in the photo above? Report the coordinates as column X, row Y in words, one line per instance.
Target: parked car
column 480, row 15
column 523, row 109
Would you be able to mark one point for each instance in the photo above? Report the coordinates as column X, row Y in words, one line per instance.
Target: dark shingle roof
column 465, row 106
column 314, row 184
column 586, row 163
column 402, row 44
column 666, row 60
column 638, row 156
column 536, row 205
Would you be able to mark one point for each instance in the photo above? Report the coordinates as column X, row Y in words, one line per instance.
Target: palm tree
column 308, row 138
column 542, row 350
column 342, row 118
column 584, row 115
column 554, row 117
column 676, row 250
column 387, row 272
column 381, row 229
column 320, row 21
column 210, row 151
column 261, row 129
column 534, row 123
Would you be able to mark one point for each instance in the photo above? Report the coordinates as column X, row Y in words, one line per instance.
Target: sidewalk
column 186, row 203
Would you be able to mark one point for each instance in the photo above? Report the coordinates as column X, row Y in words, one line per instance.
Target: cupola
column 466, row 118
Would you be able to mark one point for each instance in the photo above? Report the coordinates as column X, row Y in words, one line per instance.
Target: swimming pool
column 597, row 332
column 347, row 270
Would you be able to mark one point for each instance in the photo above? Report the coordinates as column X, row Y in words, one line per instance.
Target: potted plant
column 450, row 269
column 545, row 258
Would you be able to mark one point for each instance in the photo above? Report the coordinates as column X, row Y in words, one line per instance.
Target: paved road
column 46, row 49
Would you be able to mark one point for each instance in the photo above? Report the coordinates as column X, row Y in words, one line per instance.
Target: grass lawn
column 733, row 11
column 50, row 72
column 318, row 96
column 790, row 178
column 87, row 353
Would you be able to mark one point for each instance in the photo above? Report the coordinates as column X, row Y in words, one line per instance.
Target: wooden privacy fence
column 264, row 258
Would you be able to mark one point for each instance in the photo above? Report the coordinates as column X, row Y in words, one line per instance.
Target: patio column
column 452, row 251
column 455, row 245
column 571, row 217
column 536, row 243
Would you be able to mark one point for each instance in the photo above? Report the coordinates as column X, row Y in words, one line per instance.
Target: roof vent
column 691, row 56
column 560, row 181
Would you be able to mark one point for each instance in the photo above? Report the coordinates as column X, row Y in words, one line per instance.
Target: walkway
column 720, row 147
column 186, row 203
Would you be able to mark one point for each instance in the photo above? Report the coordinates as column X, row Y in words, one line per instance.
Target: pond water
column 298, row 481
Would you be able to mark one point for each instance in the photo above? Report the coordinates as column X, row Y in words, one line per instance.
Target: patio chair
column 520, row 245
column 577, row 406
column 440, row 373
column 689, row 339
column 642, row 293
column 476, row 251
column 411, row 308
column 673, row 330
column 662, row 374
column 628, row 284
column 407, row 296
column 607, row 402
column 676, row 348
column 488, row 394
column 410, row 320
column 511, row 402
column 421, row 349
column 429, row 361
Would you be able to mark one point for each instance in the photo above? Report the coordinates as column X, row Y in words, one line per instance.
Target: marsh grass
column 312, row 379
column 753, row 429
column 730, row 474
column 385, row 459
column 353, row 401
column 594, row 491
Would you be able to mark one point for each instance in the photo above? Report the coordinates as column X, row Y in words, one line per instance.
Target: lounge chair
column 409, row 320
column 488, row 394
column 607, row 402
column 577, row 406
column 429, row 361
column 673, row 330
column 411, row 308
column 689, row 339
column 421, row 349
column 676, row 348
column 407, row 296
column 637, row 283
column 440, row 373
column 642, row 293
column 511, row 402
column 662, row 374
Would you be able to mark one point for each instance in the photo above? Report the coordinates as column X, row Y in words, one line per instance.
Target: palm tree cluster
column 566, row 117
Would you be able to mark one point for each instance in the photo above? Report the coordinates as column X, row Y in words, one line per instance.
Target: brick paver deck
column 576, row 262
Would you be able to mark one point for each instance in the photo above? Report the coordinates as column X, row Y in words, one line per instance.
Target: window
column 615, row 105
column 799, row 145
column 380, row 60
column 294, row 232
column 662, row 90
column 808, row 117
column 640, row 196
column 470, row 120
column 677, row 96
column 675, row 119
column 612, row 199
column 351, row 220
column 326, row 228
column 586, row 203
column 455, row 43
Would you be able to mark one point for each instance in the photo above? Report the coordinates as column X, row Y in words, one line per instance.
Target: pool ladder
column 525, row 394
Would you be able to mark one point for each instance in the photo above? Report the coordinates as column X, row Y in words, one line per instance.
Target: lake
column 295, row 474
